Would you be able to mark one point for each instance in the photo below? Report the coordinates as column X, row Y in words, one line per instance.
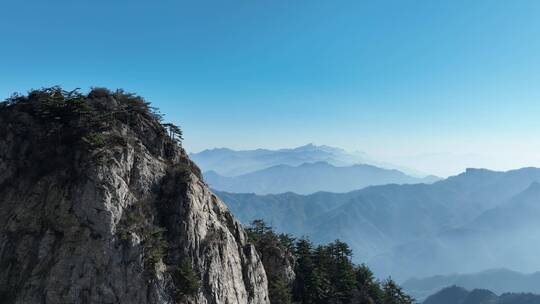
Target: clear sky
column 426, row 83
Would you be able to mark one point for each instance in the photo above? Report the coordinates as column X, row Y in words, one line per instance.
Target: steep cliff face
column 99, row 204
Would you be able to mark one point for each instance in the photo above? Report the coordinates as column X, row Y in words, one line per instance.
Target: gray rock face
column 86, row 222
column 279, row 263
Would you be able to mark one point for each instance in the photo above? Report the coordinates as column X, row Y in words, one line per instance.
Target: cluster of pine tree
column 324, row 274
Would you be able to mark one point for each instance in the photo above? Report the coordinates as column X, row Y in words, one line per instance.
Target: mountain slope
column 505, row 236
column 449, row 295
column 289, row 212
column 309, row 178
column 100, row 205
column 394, row 227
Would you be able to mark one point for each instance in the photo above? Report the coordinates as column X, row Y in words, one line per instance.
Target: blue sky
column 417, row 82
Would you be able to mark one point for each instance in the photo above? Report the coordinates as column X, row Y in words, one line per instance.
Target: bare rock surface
column 99, row 204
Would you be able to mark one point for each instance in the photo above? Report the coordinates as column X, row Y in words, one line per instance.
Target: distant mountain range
column 311, row 177
column 474, row 221
column 497, row 280
column 459, row 295
column 505, row 236
column 228, row 162
column 304, row 170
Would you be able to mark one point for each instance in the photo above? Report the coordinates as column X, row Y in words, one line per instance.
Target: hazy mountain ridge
column 396, row 227
column 309, row 178
column 459, row 295
column 497, row 280
column 505, row 236
column 228, row 162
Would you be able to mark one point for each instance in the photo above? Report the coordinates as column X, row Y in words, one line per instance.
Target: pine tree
column 186, row 279
column 324, row 274
column 393, row 294
column 342, row 273
column 368, row 288
column 279, row 291
column 304, row 271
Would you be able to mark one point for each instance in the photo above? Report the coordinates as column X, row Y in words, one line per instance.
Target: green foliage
column 117, row 140
column 155, row 247
column 331, row 278
column 95, row 112
column 154, row 244
column 325, row 274
column 262, row 236
column 334, row 262
column 174, row 132
column 95, row 140
column 133, row 102
column 58, row 105
column 368, row 287
column 271, row 247
column 286, row 241
column 258, row 231
column 279, row 291
column 98, row 92
column 186, row 280
column 393, row 294
column 305, row 281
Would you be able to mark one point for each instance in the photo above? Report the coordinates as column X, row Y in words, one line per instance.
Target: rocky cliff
column 100, row 204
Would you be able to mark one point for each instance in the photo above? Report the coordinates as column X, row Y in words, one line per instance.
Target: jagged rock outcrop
column 99, row 204
column 280, row 263
column 279, row 267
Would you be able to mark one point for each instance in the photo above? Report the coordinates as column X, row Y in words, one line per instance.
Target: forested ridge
column 323, row 274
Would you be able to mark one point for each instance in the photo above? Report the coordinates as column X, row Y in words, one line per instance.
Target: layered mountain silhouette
column 477, row 220
column 459, row 295
column 228, row 162
column 311, row 177
column 505, row 236
column 497, row 280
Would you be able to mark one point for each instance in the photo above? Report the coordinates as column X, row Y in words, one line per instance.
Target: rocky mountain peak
column 100, row 204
